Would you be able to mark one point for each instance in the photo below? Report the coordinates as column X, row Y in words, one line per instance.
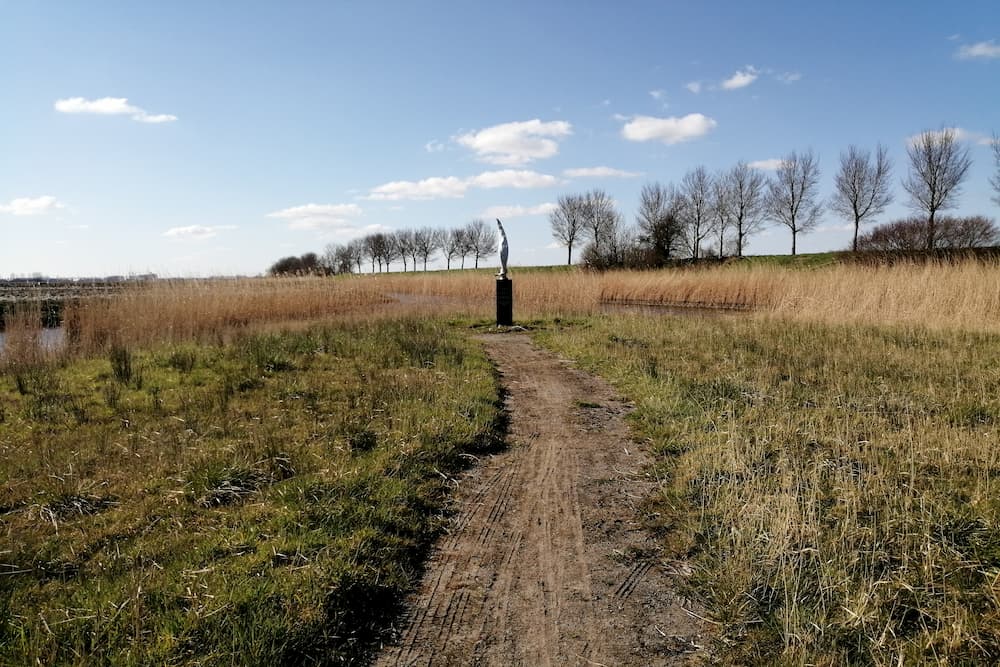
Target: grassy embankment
column 265, row 498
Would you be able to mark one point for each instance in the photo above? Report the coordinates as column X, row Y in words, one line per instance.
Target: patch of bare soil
column 546, row 561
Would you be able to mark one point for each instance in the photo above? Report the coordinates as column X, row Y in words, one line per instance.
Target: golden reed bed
column 964, row 296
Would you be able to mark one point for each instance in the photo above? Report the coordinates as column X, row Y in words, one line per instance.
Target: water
column 51, row 338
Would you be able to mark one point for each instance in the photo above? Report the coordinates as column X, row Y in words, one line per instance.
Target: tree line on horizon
column 476, row 240
column 715, row 214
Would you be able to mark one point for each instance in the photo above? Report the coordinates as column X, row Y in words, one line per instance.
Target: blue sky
column 193, row 138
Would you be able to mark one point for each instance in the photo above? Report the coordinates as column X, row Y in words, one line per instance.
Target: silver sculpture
column 502, row 251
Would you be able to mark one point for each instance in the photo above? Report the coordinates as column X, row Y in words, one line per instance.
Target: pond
column 51, row 338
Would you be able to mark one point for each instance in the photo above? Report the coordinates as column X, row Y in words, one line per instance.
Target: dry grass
column 941, row 296
column 964, row 296
column 834, row 487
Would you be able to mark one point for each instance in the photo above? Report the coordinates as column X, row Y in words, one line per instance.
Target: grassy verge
column 834, row 487
column 263, row 501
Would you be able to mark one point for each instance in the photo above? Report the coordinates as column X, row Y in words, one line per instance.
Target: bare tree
column 792, row 193
column 722, row 209
column 659, row 220
column 747, row 188
column 567, row 221
column 938, row 165
column 598, row 215
column 697, row 189
column 464, row 243
column 995, row 178
column 482, row 240
column 357, row 250
column 863, row 189
column 425, row 243
column 373, row 246
column 450, row 241
column 404, row 246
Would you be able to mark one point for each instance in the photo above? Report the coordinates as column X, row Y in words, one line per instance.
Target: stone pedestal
column 505, row 302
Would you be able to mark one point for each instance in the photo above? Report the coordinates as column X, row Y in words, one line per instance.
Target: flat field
column 252, row 471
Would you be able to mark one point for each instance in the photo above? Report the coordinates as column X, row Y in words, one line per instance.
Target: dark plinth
column 505, row 302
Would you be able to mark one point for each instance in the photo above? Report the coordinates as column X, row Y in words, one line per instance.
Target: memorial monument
column 505, row 288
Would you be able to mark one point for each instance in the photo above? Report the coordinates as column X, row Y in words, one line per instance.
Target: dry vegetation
column 264, row 501
column 827, row 463
column 834, row 487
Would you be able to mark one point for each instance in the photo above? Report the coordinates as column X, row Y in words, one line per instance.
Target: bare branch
column 862, row 186
column 747, row 188
column 938, row 165
column 567, row 222
column 792, row 194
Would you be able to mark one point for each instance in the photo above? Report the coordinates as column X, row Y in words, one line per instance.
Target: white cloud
column 111, row 106
column 510, row 178
column 670, row 130
column 767, row 165
column 196, row 232
column 318, row 216
column 658, row 94
column 518, row 211
column 599, row 172
column 693, row 86
column 452, row 187
column 344, row 234
column 437, row 187
column 518, row 143
column 960, row 134
column 434, row 146
column 788, row 77
column 32, row 205
column 554, row 245
column 742, row 78
column 984, row 50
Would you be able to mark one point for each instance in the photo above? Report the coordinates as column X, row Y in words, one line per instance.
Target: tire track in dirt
column 547, row 562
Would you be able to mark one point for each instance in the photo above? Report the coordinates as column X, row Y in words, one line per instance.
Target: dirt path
column 546, row 562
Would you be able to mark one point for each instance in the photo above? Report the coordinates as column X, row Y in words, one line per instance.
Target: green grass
column 265, row 502
column 833, row 487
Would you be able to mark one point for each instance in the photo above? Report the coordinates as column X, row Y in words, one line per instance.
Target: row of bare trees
column 414, row 247
column 725, row 209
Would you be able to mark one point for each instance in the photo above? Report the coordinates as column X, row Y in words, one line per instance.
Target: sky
column 213, row 138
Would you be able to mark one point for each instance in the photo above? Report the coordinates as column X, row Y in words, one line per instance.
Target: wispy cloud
column 515, row 144
column 672, row 130
column 788, row 77
column 658, row 95
column 518, row 211
column 767, row 165
column 32, row 205
column 434, row 146
column 741, row 79
column 318, row 216
column 196, row 232
column 452, row 187
column 599, row 172
column 979, row 50
column 111, row 106
column 693, row 86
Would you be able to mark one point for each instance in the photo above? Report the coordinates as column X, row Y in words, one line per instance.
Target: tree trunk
column 794, row 231
column 930, row 232
column 569, row 254
column 857, row 223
